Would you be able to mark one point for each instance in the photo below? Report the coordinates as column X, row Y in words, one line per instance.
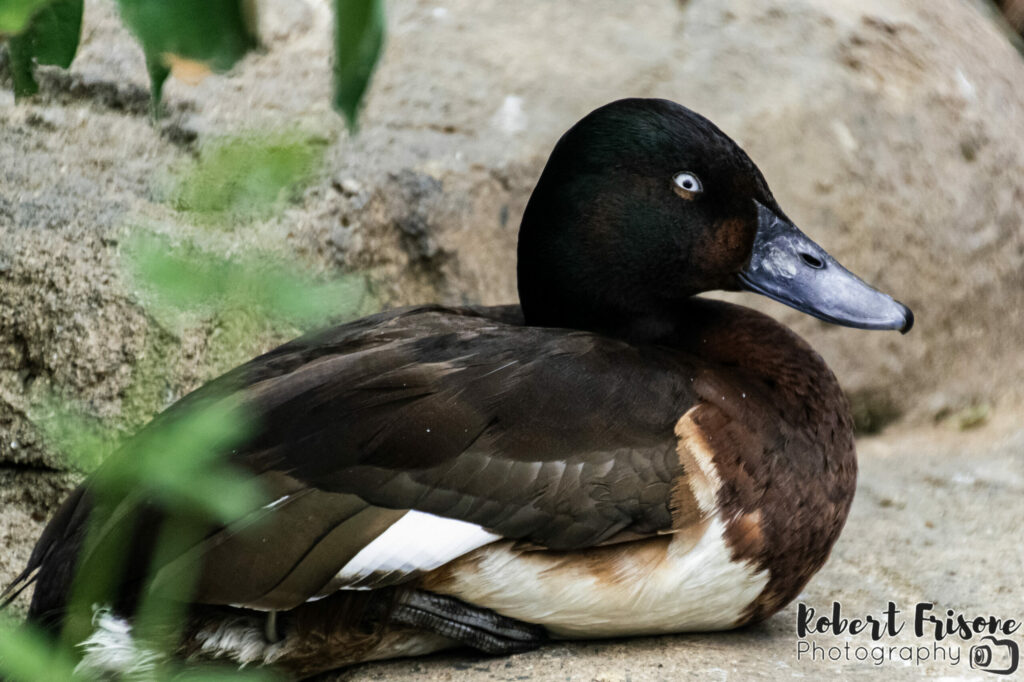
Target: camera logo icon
column 999, row 656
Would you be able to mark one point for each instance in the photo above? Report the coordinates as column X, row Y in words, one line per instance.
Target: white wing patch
column 416, row 542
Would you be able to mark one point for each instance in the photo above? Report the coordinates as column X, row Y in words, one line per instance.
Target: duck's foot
column 473, row 626
column 270, row 629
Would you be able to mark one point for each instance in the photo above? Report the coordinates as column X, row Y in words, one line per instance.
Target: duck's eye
column 687, row 185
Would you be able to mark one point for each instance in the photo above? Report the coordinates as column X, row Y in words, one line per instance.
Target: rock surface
column 891, row 132
column 891, row 135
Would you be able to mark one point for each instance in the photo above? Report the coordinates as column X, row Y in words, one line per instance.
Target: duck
column 614, row 456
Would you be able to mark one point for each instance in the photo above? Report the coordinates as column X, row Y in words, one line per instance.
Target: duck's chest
column 686, row 581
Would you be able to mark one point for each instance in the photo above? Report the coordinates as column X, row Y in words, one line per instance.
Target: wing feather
column 559, row 440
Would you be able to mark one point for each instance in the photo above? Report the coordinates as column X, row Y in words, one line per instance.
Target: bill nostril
column 815, row 263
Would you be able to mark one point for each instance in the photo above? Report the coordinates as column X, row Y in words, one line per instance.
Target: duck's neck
column 554, row 302
column 646, row 330
column 580, row 273
column 654, row 324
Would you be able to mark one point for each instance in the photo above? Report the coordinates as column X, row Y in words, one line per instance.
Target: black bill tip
column 908, row 319
column 787, row 266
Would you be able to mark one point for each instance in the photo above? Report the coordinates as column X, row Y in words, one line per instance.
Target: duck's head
column 645, row 203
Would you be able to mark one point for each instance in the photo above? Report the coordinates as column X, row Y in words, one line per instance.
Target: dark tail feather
column 51, row 567
column 17, row 586
column 60, row 553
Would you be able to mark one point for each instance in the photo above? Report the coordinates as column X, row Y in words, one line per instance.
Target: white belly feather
column 694, row 585
column 676, row 583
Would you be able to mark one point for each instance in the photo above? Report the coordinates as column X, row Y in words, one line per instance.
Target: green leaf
column 181, row 460
column 27, row 655
column 15, row 15
column 185, row 278
column 211, row 34
column 50, row 38
column 247, row 174
column 358, row 37
column 21, row 69
column 83, row 441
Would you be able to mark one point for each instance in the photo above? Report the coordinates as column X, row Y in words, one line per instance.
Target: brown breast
column 777, row 429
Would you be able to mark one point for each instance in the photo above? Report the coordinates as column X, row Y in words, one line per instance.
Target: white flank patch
column 416, row 542
column 694, row 587
column 110, row 649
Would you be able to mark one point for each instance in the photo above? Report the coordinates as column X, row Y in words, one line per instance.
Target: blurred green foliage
column 246, row 175
column 178, row 463
column 358, row 37
column 213, row 33
column 26, row 654
column 190, row 37
column 186, row 278
column 50, row 38
column 15, row 14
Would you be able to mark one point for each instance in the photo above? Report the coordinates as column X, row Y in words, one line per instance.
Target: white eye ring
column 688, row 182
